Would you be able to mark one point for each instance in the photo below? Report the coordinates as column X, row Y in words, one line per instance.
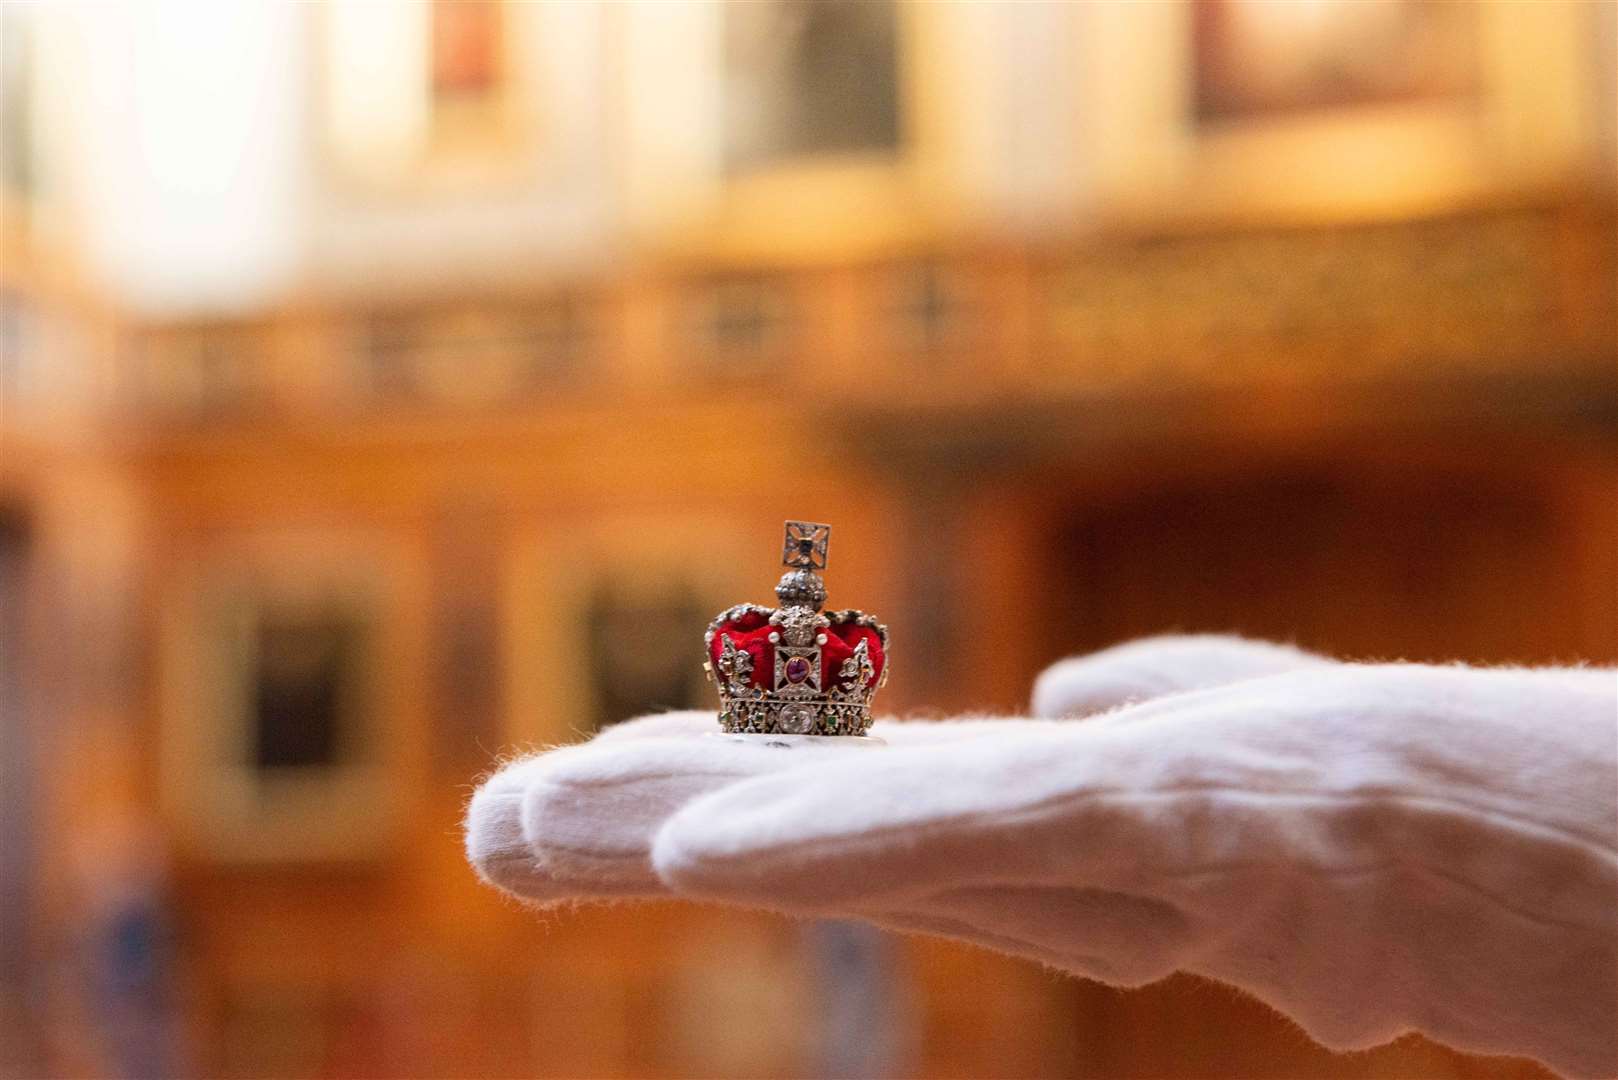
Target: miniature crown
column 795, row 670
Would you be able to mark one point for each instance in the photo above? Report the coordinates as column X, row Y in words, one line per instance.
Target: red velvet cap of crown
column 751, row 633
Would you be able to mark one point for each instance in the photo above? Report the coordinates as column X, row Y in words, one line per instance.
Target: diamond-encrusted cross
column 805, row 546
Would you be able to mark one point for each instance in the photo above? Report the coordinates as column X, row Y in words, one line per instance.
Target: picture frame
column 280, row 719
column 438, row 96
column 623, row 597
column 876, row 190
column 1148, row 153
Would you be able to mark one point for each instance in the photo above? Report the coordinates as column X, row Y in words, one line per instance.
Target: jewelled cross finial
column 805, row 546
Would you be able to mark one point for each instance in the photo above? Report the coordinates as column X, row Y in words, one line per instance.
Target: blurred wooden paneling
column 1389, row 440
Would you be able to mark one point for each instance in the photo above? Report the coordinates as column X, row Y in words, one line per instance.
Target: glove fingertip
column 493, row 826
column 498, row 851
column 1140, row 670
column 1070, row 689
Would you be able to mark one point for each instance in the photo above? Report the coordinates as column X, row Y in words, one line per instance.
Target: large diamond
column 797, row 719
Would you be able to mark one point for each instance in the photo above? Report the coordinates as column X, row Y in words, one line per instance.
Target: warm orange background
column 1383, row 430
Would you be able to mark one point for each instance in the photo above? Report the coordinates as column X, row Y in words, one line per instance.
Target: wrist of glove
column 1371, row 849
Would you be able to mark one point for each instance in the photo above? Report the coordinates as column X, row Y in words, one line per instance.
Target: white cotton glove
column 1371, row 849
column 593, row 809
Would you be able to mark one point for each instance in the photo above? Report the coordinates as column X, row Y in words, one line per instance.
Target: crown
column 796, row 670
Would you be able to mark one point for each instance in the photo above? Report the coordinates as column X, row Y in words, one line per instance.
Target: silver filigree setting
column 802, row 697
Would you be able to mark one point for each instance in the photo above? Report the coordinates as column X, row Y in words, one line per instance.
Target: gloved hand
column 587, row 848
column 1371, row 849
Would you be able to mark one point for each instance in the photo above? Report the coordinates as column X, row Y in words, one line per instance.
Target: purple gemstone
column 797, row 669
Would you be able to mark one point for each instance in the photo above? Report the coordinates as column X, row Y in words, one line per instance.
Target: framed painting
column 606, row 620
column 1328, row 109
column 277, row 717
column 430, row 95
column 1254, row 61
column 636, row 642
column 807, row 79
column 806, row 127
